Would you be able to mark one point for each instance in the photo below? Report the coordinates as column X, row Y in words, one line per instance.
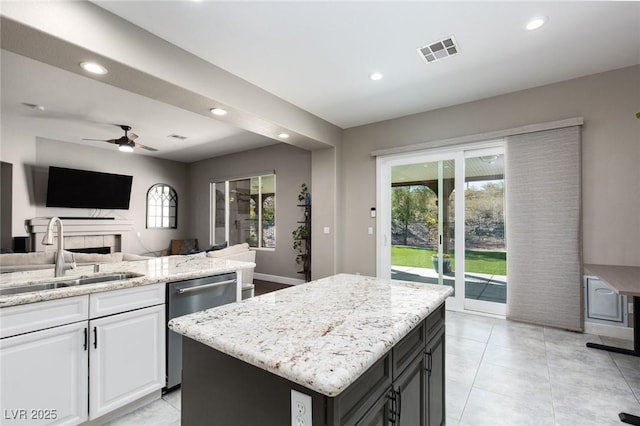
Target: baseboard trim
column 616, row 331
column 277, row 279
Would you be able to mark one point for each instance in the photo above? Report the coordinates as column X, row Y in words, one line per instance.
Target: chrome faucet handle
column 73, row 265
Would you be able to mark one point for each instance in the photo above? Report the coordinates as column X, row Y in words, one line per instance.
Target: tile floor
column 505, row 373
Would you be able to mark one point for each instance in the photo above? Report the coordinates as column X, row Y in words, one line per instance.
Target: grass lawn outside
column 482, row 262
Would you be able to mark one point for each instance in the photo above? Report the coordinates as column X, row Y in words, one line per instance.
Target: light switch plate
column 300, row 409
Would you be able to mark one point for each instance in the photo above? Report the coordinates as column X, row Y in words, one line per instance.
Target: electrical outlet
column 300, row 409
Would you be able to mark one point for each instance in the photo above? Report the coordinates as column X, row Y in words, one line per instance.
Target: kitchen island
column 342, row 350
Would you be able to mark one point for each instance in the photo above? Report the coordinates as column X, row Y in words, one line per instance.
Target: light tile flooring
column 506, row 373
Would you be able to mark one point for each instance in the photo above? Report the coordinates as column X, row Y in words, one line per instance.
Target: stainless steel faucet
column 48, row 241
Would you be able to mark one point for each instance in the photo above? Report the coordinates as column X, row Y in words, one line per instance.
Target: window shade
column 543, row 208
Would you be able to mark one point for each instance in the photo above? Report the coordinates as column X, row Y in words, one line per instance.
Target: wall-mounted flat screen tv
column 88, row 190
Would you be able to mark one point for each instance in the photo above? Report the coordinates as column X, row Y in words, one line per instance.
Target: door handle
column 95, row 337
column 203, row 287
column 86, row 338
column 399, row 393
column 393, row 413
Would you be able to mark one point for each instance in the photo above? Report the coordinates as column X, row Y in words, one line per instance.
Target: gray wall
column 32, row 155
column 146, row 171
column 292, row 166
column 610, row 157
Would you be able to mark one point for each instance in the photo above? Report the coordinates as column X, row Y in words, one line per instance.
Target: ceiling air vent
column 439, row 49
column 174, row 136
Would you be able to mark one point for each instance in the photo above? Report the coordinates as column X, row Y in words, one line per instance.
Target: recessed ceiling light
column 375, row 76
column 218, row 111
column 283, row 135
column 93, row 67
column 536, row 23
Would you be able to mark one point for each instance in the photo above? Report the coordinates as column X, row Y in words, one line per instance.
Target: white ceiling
column 317, row 55
column 78, row 107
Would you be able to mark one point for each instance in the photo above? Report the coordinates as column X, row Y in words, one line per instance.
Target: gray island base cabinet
column 404, row 387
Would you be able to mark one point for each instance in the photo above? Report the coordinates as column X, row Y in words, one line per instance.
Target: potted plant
column 446, row 262
column 302, row 234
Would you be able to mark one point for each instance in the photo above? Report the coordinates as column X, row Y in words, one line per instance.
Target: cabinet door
column 127, row 358
column 435, row 378
column 378, row 414
column 45, row 377
column 411, row 394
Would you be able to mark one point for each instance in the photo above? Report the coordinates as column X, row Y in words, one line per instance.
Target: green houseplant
column 302, row 234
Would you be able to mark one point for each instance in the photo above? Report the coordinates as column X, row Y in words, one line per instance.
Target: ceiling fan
column 125, row 143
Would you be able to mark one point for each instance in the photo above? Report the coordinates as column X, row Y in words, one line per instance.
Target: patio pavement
column 492, row 288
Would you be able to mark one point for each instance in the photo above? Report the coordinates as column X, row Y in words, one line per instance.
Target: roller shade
column 543, row 208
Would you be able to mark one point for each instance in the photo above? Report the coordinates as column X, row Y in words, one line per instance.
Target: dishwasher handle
column 203, row 287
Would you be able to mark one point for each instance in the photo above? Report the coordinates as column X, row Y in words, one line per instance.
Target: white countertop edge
column 156, row 270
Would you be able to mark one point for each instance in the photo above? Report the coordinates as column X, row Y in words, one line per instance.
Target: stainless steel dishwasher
column 186, row 297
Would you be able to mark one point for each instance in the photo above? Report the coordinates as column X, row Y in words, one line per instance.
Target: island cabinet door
column 435, row 369
column 44, row 377
column 409, row 395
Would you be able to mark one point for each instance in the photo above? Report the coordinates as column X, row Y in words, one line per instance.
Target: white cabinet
column 66, row 361
column 602, row 304
column 127, row 358
column 45, row 376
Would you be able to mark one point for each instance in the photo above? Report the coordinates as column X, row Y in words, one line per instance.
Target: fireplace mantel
column 83, row 233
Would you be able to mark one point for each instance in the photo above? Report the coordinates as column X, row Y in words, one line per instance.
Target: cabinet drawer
column 435, row 320
column 407, row 349
column 127, row 299
column 40, row 315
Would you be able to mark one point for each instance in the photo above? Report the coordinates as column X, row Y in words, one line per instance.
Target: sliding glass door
column 441, row 221
column 485, row 271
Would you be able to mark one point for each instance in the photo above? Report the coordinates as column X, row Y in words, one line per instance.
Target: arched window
column 162, row 206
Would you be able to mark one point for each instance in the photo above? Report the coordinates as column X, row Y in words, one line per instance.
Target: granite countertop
column 156, row 270
column 322, row 335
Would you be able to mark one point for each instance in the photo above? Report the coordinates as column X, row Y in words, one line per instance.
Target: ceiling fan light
column 125, row 148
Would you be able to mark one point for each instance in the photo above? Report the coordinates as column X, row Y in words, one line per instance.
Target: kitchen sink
column 101, row 278
column 117, row 276
column 32, row 287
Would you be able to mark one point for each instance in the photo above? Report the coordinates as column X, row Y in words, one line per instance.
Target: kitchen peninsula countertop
column 322, row 335
column 156, row 270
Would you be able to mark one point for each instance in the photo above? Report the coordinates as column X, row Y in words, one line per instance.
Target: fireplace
column 112, row 235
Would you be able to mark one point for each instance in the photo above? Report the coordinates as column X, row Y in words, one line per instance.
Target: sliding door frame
column 384, row 164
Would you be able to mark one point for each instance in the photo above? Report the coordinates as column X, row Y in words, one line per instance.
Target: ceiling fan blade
column 139, row 145
column 132, row 136
column 101, row 140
